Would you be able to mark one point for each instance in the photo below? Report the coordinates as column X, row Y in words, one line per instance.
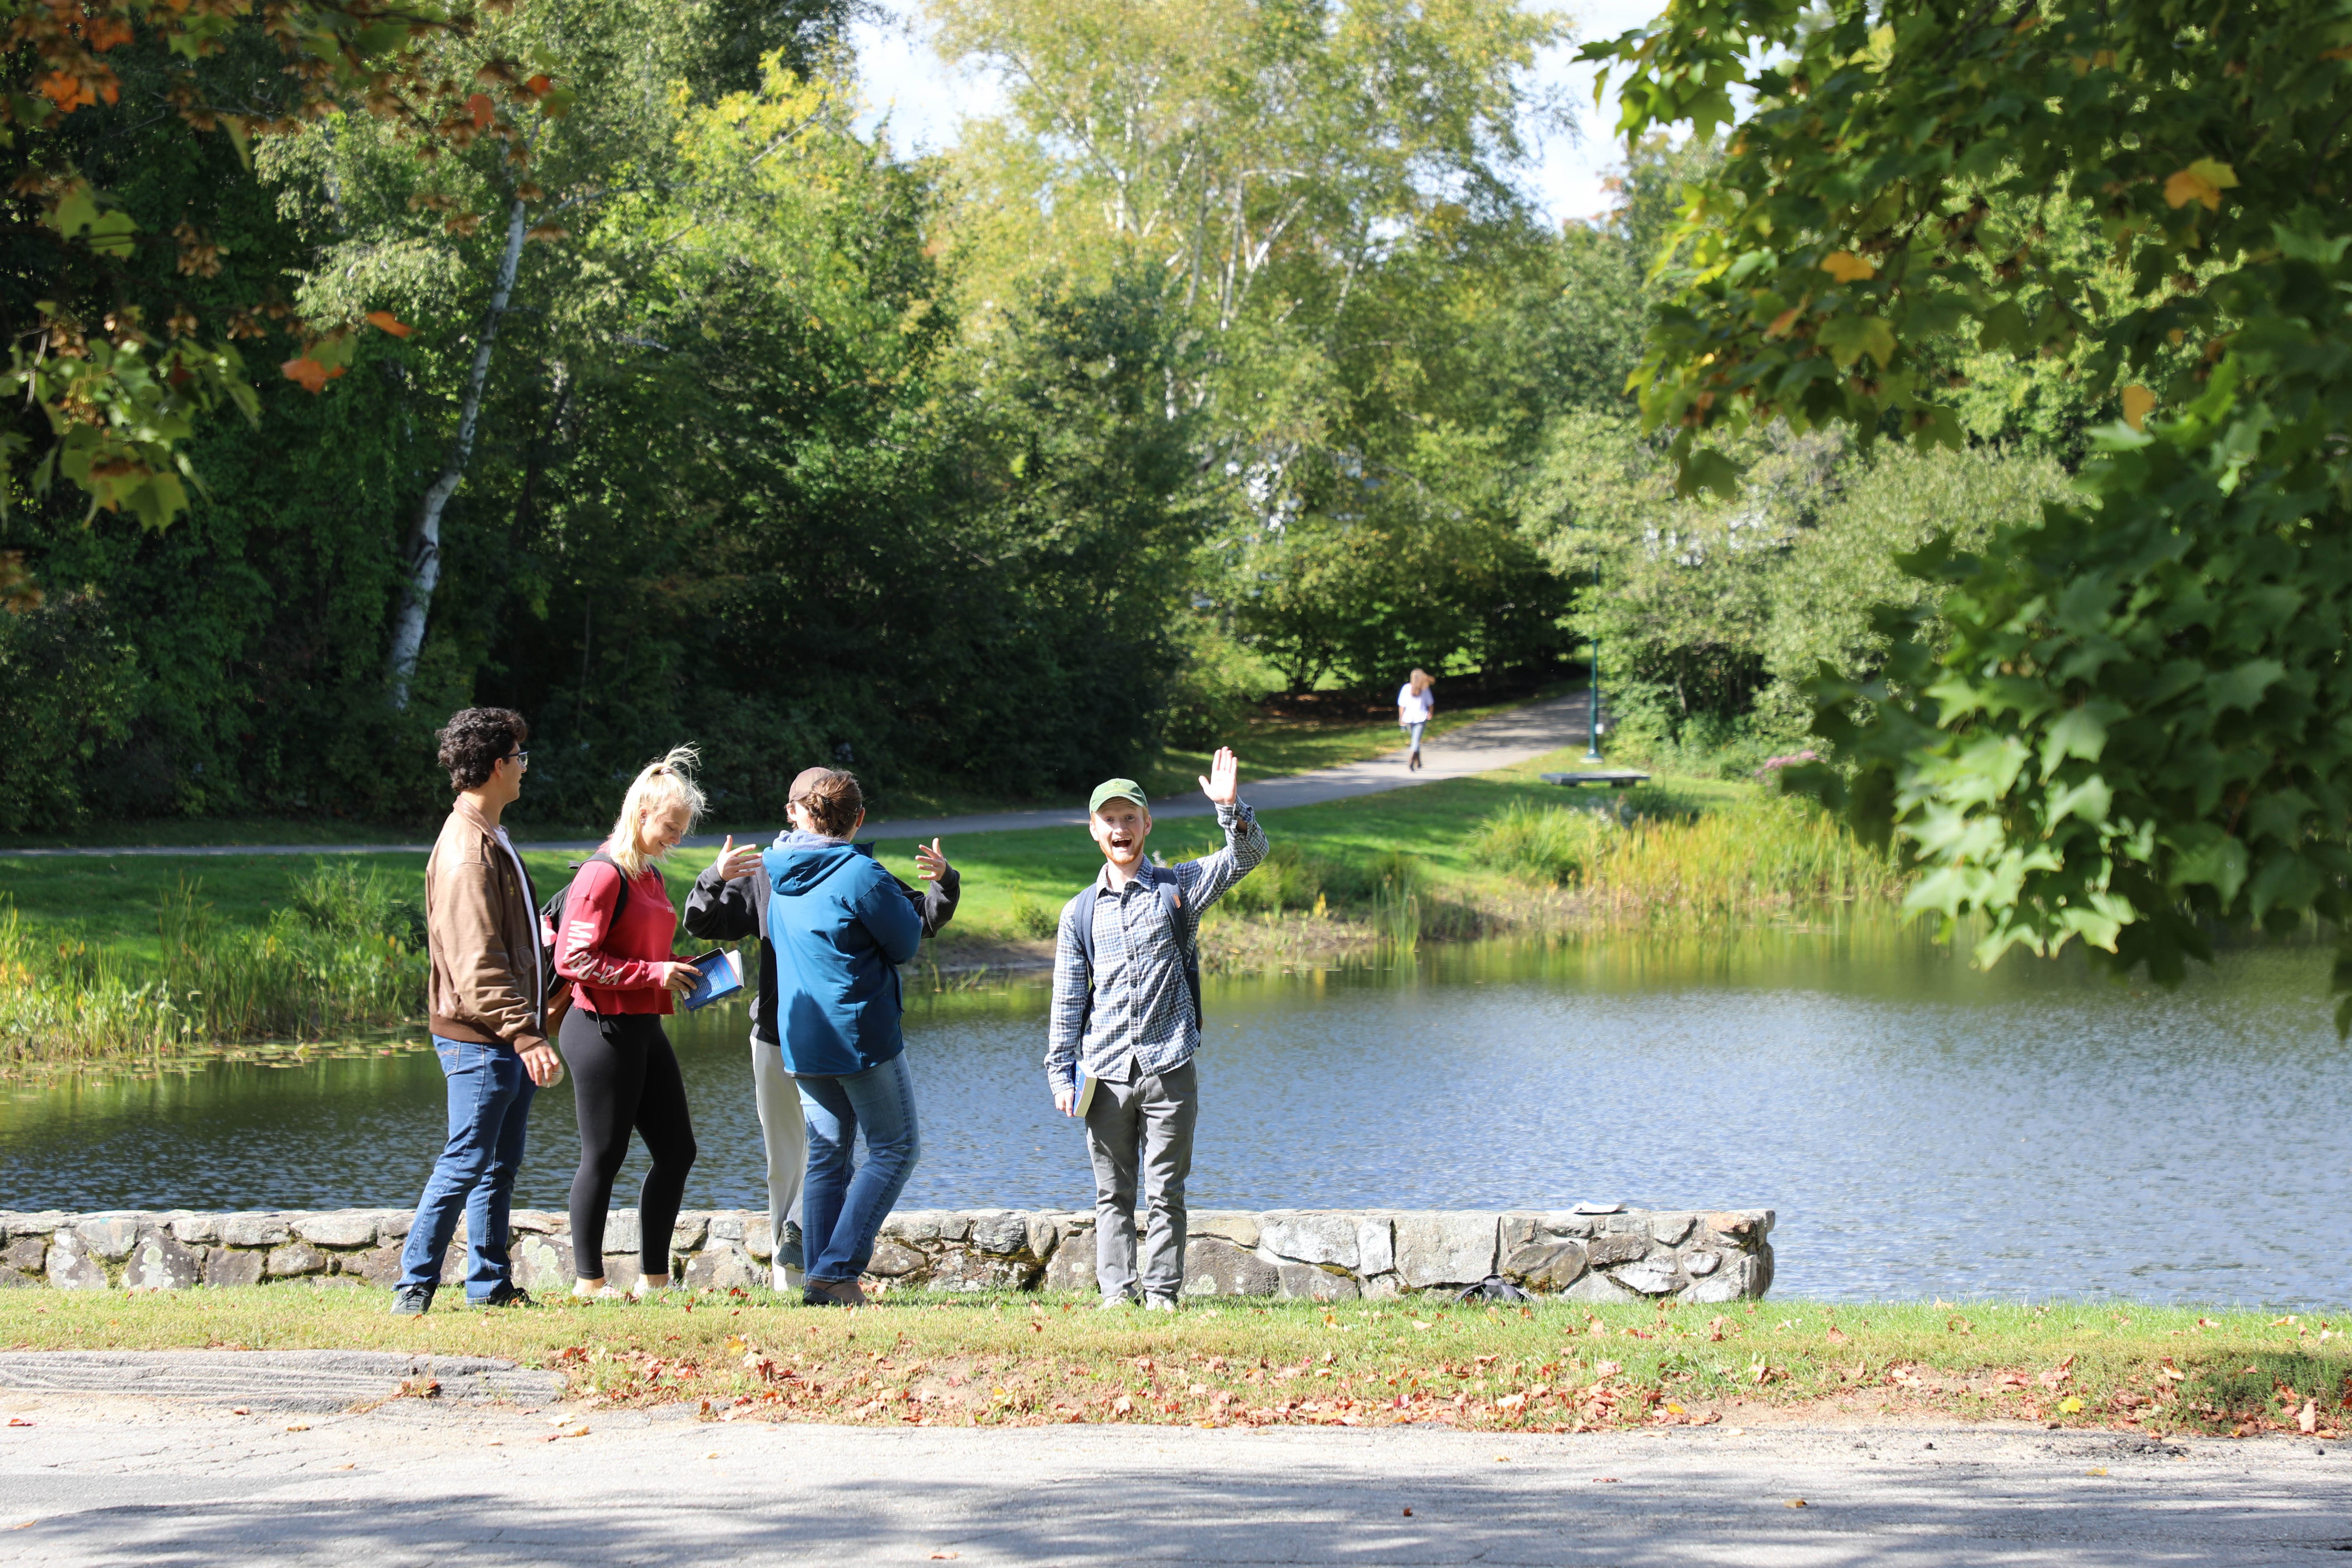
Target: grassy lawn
column 112, row 901
column 1033, row 1360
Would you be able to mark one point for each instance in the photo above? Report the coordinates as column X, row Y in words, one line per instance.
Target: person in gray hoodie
column 728, row 903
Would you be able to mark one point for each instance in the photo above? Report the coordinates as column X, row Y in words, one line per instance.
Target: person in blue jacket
column 841, row 925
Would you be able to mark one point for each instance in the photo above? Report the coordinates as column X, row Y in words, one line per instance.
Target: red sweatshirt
column 616, row 967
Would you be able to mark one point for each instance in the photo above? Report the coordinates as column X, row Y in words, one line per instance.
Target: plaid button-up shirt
column 1142, row 1010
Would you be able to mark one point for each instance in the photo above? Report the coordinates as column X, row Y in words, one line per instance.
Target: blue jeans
column 1413, row 730
column 489, row 1106
column 843, row 1203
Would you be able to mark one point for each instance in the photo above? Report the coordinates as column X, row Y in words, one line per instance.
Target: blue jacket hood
column 840, row 926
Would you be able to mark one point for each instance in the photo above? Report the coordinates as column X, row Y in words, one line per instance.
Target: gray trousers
column 1142, row 1128
column 785, row 1138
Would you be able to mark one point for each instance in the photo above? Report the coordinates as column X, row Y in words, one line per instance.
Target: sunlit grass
column 1555, row 1365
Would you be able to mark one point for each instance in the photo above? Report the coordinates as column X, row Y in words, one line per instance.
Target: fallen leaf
column 1836, row 1337
column 2100, row 1471
column 2307, row 1418
column 18, row 1420
column 1408, row 1513
column 1847, row 268
column 1122, row 1405
column 298, row 1427
column 1605, row 1480
column 345, row 1467
column 945, row 1556
column 239, row 1410
column 1799, row 1502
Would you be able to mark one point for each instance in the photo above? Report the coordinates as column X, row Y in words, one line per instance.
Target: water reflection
column 1922, row 1129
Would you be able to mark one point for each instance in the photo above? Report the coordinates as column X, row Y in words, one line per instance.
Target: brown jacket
column 481, row 930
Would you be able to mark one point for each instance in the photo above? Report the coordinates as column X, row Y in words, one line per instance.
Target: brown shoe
column 832, row 1293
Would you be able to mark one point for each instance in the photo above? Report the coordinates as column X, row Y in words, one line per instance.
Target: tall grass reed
column 1761, row 853
column 345, row 954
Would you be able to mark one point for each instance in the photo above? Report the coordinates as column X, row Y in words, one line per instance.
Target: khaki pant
column 1141, row 1129
column 786, row 1138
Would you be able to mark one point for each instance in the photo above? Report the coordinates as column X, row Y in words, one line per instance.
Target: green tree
column 2139, row 722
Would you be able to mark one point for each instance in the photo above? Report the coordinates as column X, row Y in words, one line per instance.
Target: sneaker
column 508, row 1294
column 782, row 1281
column 1159, row 1304
column 788, row 1251
column 833, row 1293
column 1113, row 1304
column 411, row 1300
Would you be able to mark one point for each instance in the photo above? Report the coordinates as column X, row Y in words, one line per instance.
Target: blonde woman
column 615, row 948
column 1416, row 701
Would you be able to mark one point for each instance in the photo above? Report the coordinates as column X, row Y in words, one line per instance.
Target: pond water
column 1922, row 1129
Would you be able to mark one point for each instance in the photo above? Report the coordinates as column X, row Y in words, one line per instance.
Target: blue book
column 721, row 975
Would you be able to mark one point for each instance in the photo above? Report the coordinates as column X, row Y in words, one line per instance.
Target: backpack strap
column 1170, row 895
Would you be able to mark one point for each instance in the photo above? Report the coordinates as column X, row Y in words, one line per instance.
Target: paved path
column 1504, row 741
column 120, row 1479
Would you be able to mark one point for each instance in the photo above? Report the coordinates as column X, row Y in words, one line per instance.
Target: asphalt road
column 1504, row 741
column 132, row 1479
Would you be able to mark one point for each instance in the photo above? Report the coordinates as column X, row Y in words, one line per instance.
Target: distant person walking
column 1416, row 701
column 1126, row 1023
column 840, row 926
column 728, row 903
column 614, row 945
column 487, row 1003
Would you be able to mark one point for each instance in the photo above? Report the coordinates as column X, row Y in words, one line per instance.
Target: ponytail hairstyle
column 832, row 800
column 669, row 782
column 1420, row 682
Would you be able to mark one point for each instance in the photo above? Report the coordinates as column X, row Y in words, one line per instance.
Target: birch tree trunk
column 425, row 539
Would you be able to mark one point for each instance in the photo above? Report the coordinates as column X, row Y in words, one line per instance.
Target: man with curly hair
column 486, row 1000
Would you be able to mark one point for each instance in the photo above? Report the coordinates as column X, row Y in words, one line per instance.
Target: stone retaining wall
column 1310, row 1254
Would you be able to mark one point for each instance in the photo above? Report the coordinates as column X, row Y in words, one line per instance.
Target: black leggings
column 625, row 1075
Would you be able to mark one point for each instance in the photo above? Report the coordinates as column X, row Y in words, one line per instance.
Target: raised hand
column 733, row 862
column 930, row 864
column 1225, row 781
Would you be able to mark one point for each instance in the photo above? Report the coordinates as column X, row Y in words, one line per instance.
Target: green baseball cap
column 1117, row 789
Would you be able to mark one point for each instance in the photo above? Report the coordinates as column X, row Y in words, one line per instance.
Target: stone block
column 1655, row 1277
column 1715, row 1289
column 224, row 1266
column 1699, row 1265
column 109, row 1236
column 1668, row 1229
column 724, row 1268
column 1444, row 1248
column 24, row 1253
column 728, row 1227
column 955, row 1226
column 1045, row 1231
column 1000, row 1230
column 159, row 1262
column 1546, row 1265
column 394, row 1225
column 1213, row 1267
column 70, row 1265
column 759, row 1236
column 1305, row 1282
column 1381, row 1288
column 1599, row 1287
column 542, row 1222
column 1608, row 1251
column 913, row 1225
column 957, row 1270
column 254, row 1230
column 44, row 1223
column 686, row 1235
column 1072, row 1266
column 1741, row 1224
column 197, row 1229
column 543, row 1263
column 897, row 1260
column 622, row 1270
column 16, row 1279
column 1311, row 1236
column 1375, row 1246
column 293, row 1260
column 621, row 1232
column 1237, row 1225
column 380, row 1265
column 337, row 1228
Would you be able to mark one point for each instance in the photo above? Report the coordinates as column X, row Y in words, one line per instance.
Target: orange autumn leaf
column 1847, row 268
column 482, row 110
column 537, row 85
column 2203, row 180
column 1783, row 322
column 306, row 373
column 2138, row 401
column 390, row 323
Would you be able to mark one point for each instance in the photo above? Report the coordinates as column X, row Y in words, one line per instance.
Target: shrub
column 1033, row 920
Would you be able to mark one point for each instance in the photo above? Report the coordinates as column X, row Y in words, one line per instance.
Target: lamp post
column 1592, row 707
